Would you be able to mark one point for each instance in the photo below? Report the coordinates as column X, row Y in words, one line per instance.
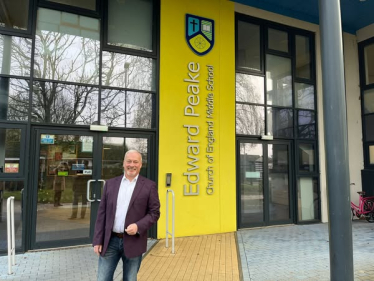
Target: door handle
column 103, row 187
column 89, row 191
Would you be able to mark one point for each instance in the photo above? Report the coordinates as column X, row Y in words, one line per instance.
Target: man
column 129, row 207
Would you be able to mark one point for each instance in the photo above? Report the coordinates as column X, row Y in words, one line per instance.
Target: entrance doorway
column 71, row 168
column 264, row 183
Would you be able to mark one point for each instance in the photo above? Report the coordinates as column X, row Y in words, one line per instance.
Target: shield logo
column 199, row 34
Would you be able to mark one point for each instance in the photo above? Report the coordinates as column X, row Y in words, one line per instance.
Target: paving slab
column 300, row 252
column 73, row 264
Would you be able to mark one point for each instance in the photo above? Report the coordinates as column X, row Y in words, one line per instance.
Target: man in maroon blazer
column 129, row 207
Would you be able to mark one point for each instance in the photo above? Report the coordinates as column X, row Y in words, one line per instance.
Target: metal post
column 11, row 234
column 336, row 147
column 172, row 220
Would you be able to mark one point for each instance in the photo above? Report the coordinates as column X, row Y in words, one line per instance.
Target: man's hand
column 97, row 249
column 132, row 229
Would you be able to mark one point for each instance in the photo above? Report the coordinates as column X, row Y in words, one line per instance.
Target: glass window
column 280, row 122
column 126, row 109
column 10, row 151
column 126, row 71
column 15, row 55
column 64, row 104
column 307, row 189
column 14, row 14
column 278, row 81
column 371, row 154
column 278, row 40
column 250, row 119
column 14, row 99
column 369, row 64
column 369, row 125
column 67, row 47
column 304, row 96
column 249, row 88
column 369, row 101
column 306, row 124
column 7, row 189
column 279, row 206
column 130, row 24
column 85, row 4
column 248, row 46
column 303, row 64
column 251, row 183
column 306, row 158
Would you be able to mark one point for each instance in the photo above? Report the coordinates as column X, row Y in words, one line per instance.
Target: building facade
column 223, row 99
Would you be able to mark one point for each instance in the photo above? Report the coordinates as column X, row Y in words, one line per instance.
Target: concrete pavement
column 292, row 252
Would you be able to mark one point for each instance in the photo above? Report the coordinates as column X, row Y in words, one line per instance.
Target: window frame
column 30, row 24
column 130, row 51
column 364, row 87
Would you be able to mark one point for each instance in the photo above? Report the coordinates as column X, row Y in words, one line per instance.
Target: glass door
column 71, row 170
column 264, row 184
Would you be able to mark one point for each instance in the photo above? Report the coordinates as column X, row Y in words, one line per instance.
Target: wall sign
column 199, row 34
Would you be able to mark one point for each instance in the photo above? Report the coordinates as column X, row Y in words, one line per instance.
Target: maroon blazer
column 144, row 210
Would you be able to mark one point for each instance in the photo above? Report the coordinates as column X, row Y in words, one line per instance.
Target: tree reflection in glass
column 249, row 88
column 250, row 119
column 126, row 109
column 67, row 47
column 15, row 55
column 126, row 71
column 14, row 99
column 64, row 104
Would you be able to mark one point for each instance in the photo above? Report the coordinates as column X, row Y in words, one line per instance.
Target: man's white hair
column 134, row 150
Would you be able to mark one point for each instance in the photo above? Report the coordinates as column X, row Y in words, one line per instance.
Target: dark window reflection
column 85, row 4
column 306, row 158
column 14, row 99
column 250, row 88
column 369, row 66
column 250, row 119
column 278, row 40
column 126, row 109
column 303, row 66
column 67, row 47
column 369, row 127
column 64, row 104
column 130, row 24
column 248, row 47
column 10, row 150
column 15, row 55
column 14, row 14
column 126, row 71
column 7, row 189
column 306, row 124
column 280, row 122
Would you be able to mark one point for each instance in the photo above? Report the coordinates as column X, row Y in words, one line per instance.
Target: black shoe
column 72, row 218
column 60, row 204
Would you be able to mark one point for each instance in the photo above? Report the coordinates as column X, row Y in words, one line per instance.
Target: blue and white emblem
column 199, row 34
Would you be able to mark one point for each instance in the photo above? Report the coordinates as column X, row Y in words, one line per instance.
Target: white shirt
column 123, row 200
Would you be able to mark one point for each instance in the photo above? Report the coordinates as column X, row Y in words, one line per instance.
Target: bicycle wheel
column 369, row 207
column 370, row 217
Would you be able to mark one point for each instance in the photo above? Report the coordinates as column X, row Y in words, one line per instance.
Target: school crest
column 199, row 34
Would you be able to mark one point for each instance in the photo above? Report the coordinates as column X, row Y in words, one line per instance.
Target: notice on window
column 47, row 139
column 11, row 168
column 87, row 146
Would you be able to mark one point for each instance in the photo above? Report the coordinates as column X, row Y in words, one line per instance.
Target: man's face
column 132, row 165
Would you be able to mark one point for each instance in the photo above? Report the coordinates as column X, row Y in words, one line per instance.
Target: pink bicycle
column 365, row 207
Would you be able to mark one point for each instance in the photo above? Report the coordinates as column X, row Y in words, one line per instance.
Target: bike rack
column 11, row 234
column 172, row 220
